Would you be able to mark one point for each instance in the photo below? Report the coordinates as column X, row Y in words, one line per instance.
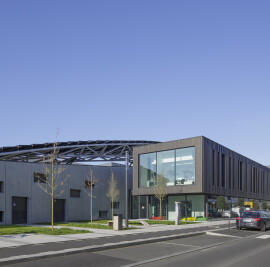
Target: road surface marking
column 219, row 234
column 170, row 243
column 263, row 236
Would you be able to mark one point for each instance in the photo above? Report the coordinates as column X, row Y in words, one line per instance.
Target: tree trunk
column 112, row 208
column 52, row 212
column 160, row 209
column 91, row 213
column 52, row 171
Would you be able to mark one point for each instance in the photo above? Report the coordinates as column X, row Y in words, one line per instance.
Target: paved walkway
column 30, row 239
column 16, row 248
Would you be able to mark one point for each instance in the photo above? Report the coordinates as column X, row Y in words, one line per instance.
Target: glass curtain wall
column 176, row 166
column 147, row 172
column 155, row 208
column 185, row 166
column 190, row 206
column 143, row 207
column 166, row 166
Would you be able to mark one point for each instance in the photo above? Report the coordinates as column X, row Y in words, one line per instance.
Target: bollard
column 117, row 222
column 177, row 212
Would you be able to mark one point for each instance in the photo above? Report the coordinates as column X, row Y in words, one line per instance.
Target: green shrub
column 201, row 219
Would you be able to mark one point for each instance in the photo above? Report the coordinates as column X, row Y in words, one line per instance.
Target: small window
column 115, row 205
column 1, row 187
column 89, row 184
column 75, row 193
column 103, row 213
column 40, row 177
column 1, row 216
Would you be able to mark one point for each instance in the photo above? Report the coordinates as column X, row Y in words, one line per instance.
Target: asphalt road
column 252, row 251
column 244, row 248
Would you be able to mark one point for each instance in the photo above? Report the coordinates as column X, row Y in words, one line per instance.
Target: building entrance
column 19, row 210
column 59, row 210
column 186, row 209
column 155, row 208
column 143, row 207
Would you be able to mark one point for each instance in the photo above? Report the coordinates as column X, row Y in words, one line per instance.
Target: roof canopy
column 74, row 152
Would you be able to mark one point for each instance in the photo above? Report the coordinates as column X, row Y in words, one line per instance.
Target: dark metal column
column 126, row 204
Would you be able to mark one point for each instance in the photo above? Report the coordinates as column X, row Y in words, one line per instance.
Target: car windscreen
column 250, row 215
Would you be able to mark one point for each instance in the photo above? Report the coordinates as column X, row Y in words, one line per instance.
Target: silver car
column 229, row 214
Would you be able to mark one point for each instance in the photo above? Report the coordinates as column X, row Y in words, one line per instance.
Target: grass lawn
column 102, row 224
column 83, row 224
column 95, row 221
column 106, row 222
column 86, row 225
column 97, row 224
column 134, row 223
column 167, row 222
column 89, row 225
column 16, row 229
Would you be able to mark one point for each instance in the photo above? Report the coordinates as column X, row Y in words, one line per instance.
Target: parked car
column 214, row 214
column 253, row 220
column 229, row 214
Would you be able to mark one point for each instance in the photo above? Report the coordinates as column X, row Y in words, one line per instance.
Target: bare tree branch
column 52, row 171
column 160, row 190
column 113, row 191
column 90, row 183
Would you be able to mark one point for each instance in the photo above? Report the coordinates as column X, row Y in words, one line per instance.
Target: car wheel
column 263, row 229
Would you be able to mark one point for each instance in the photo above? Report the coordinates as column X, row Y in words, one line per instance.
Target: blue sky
column 143, row 70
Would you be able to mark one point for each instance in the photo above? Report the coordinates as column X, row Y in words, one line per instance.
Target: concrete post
column 117, row 222
column 177, row 212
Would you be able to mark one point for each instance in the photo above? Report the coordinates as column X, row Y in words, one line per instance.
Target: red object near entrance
column 158, row 218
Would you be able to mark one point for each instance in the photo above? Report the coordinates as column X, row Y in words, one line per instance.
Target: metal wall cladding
column 190, row 142
column 228, row 173
column 219, row 171
column 18, row 178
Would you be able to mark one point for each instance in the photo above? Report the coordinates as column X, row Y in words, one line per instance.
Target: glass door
column 143, row 207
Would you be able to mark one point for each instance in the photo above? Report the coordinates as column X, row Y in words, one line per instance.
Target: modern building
column 22, row 175
column 23, row 200
column 196, row 171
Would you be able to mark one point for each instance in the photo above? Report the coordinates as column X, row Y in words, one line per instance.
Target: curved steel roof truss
column 74, row 152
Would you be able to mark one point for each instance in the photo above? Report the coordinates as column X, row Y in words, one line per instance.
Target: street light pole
column 126, row 204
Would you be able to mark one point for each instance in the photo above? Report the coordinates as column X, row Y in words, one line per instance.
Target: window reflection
column 177, row 166
column 147, row 172
column 185, row 166
column 166, row 166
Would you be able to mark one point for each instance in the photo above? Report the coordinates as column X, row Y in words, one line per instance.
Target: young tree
column 113, row 191
column 90, row 184
column 240, row 202
column 255, row 204
column 264, row 205
column 51, row 181
column 221, row 203
column 160, row 191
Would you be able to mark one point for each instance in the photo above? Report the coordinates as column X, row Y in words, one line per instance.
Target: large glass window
column 166, row 166
column 176, row 166
column 147, row 171
column 185, row 166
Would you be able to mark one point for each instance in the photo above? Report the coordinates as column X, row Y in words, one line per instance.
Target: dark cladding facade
column 195, row 170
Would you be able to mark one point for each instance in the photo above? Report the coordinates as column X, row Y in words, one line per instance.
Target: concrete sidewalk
column 20, row 248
